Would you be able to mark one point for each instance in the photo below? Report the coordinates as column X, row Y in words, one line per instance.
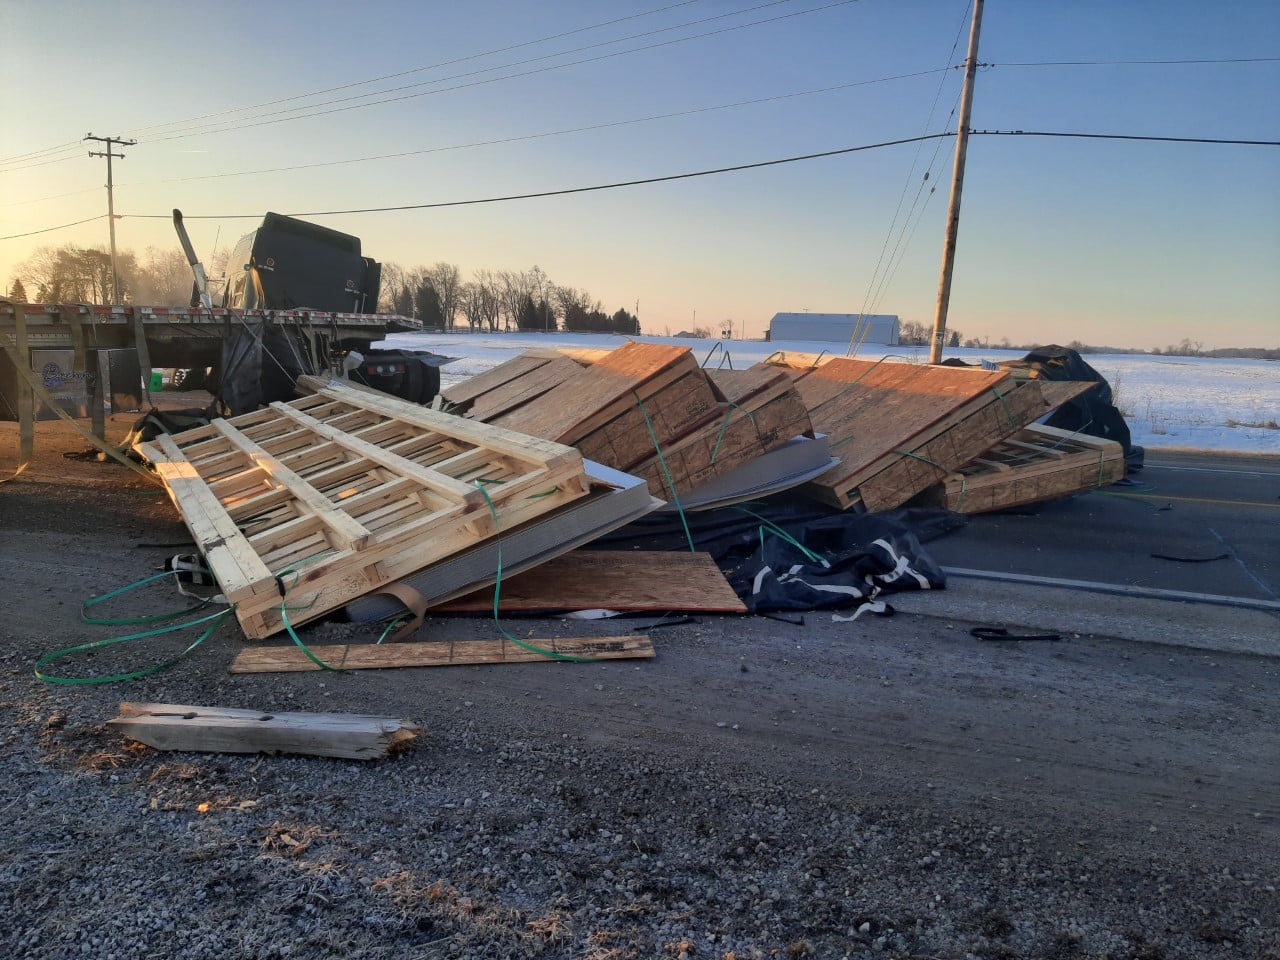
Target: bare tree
column 445, row 278
column 469, row 305
column 397, row 293
column 489, row 293
column 164, row 279
column 72, row 274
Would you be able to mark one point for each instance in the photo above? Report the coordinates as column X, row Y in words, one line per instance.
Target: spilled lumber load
column 300, row 507
column 759, row 411
column 644, row 408
column 1035, row 464
column 898, row 427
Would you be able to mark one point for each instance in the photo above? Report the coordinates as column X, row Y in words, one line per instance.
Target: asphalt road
column 1187, row 551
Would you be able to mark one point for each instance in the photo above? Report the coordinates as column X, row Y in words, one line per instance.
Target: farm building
column 835, row 327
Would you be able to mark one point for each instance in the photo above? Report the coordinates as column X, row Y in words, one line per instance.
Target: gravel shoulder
column 887, row 787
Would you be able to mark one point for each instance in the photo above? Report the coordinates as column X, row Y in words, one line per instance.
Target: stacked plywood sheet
column 648, row 409
column 301, row 507
column 898, row 428
column 1035, row 464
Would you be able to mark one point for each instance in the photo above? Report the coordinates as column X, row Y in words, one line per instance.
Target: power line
column 546, row 134
column 567, row 191
column 60, row 148
column 433, row 66
column 32, row 233
column 234, row 125
column 1124, row 136
column 42, row 163
column 1128, row 63
column 879, row 281
column 672, row 177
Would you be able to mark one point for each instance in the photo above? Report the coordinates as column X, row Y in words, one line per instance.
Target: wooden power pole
column 957, row 185
column 111, row 206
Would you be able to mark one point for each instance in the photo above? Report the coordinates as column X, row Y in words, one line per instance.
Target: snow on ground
column 1196, row 403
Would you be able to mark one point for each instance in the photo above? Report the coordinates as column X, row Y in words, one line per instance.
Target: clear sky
column 1124, row 243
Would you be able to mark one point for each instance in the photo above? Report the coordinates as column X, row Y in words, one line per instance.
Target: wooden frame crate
column 1038, row 463
column 315, row 502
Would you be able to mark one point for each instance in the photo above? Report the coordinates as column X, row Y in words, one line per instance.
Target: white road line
column 1123, row 590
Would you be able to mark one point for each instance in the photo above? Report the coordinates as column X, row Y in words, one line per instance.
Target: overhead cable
column 560, row 193
column 32, row 233
column 236, row 125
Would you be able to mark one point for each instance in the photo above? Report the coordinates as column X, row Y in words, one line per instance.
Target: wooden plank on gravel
column 613, row 580
column 172, row 726
column 439, row 653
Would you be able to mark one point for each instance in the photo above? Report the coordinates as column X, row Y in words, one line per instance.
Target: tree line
column 491, row 300
column 496, row 300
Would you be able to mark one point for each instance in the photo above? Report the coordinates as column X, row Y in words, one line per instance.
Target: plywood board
column 361, row 490
column 1036, row 464
column 611, row 580
column 440, row 653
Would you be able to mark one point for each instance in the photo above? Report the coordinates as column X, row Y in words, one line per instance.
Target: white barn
column 835, row 327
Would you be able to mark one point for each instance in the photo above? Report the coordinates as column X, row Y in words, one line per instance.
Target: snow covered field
column 1196, row 403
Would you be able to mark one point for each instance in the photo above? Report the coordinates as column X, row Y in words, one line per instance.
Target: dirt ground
column 886, row 787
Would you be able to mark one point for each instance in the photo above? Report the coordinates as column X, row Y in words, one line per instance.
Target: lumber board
column 599, row 392
column 736, row 436
column 439, row 653
column 1058, row 392
column 663, row 417
column 899, row 427
column 170, row 726
column 471, row 388
column 945, row 447
column 349, row 515
column 523, row 388
column 1039, row 463
column 611, row 580
column 753, row 386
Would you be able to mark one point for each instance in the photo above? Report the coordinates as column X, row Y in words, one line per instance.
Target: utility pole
column 111, row 207
column 957, row 185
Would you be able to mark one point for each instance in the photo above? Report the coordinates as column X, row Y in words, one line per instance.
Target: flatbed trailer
column 181, row 336
column 189, row 338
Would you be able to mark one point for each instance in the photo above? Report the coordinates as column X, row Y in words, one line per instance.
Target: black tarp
column 787, row 553
column 1093, row 412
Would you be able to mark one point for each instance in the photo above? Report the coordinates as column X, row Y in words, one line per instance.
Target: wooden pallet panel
column 344, row 514
column 1036, row 464
column 439, row 653
column 600, row 392
column 612, row 580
